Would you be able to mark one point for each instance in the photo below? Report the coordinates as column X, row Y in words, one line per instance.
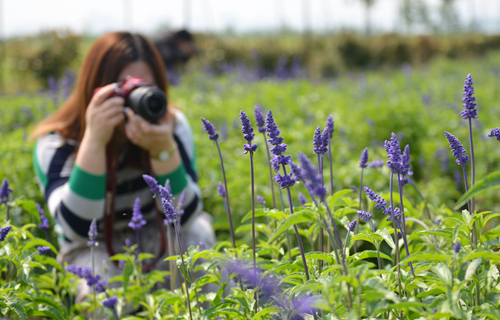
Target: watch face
column 164, row 155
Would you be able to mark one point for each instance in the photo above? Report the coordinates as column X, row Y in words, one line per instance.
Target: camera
column 145, row 100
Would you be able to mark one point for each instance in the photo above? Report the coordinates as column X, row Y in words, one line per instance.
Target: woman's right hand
column 103, row 115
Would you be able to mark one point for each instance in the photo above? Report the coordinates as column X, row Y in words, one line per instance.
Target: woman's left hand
column 152, row 137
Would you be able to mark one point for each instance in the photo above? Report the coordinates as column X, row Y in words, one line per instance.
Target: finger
column 114, row 101
column 110, row 112
column 102, row 94
column 116, row 120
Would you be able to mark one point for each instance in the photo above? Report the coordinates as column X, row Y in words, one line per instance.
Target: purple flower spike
column 325, row 137
column 44, row 222
column 3, row 232
column 352, row 225
column 100, row 286
column 376, row 164
column 210, row 129
column 457, row 149
column 42, row 250
column 495, row 133
column 5, row 191
column 128, row 243
column 468, row 100
column 248, row 135
column 381, row 203
column 220, row 190
column 365, row 215
column 92, row 233
column 393, row 153
column 261, row 201
column 405, row 161
column 285, row 181
column 364, row 158
column 137, row 221
column 318, row 142
column 456, row 247
column 302, row 199
column 152, row 183
column 165, row 193
column 329, row 126
column 202, row 245
column 259, row 120
column 110, row 303
column 169, row 210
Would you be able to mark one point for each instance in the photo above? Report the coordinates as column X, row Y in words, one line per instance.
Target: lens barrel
column 148, row 102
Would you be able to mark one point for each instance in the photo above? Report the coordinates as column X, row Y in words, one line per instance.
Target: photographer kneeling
column 90, row 157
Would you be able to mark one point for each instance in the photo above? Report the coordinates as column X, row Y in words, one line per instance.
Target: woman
column 91, row 155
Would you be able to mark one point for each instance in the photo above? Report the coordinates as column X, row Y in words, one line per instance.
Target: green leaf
column 144, row 256
column 128, row 269
column 472, row 268
column 487, row 255
column 319, row 256
column 490, row 182
column 51, row 312
column 440, row 233
column 364, row 237
column 332, row 201
column 371, row 254
column 37, row 242
column 18, row 309
column 426, row 255
column 258, row 213
column 50, row 302
column 265, row 311
column 49, row 261
column 387, row 237
column 299, row 217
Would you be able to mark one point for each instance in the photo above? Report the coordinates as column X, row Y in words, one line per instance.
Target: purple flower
column 92, row 233
column 273, row 132
column 303, row 305
column 42, row 250
column 495, row 133
column 285, row 181
column 44, row 222
column 312, row 179
column 210, row 129
column 128, row 243
column 352, row 225
column 329, row 126
column 325, row 138
column 202, row 245
column 261, row 201
column 82, row 272
column 248, row 135
column 110, row 303
column 169, row 210
column 302, row 199
column 218, row 266
column 364, row 158
column 381, row 203
column 152, row 183
column 456, row 247
column 137, row 221
column 318, row 142
column 165, row 191
column 259, row 120
column 220, row 190
column 100, row 286
column 405, row 161
column 3, row 232
column 393, row 153
column 365, row 215
column 388, row 211
column 376, row 164
column 468, row 100
column 457, row 149
column 5, row 191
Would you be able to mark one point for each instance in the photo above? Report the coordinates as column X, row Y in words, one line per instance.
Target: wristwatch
column 167, row 154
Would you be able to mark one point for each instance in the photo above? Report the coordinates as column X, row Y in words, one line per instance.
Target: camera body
column 145, row 100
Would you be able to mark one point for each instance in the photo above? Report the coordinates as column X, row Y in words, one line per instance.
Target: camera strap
column 109, row 210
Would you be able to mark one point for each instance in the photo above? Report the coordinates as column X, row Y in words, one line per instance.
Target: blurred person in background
column 93, row 132
column 176, row 48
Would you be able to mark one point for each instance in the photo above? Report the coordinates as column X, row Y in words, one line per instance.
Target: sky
column 21, row 17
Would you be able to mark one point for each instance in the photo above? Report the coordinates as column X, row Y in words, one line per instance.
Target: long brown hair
column 109, row 55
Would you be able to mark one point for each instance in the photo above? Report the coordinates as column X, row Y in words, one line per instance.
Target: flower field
column 382, row 230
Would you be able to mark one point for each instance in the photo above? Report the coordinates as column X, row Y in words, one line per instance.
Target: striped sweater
column 75, row 197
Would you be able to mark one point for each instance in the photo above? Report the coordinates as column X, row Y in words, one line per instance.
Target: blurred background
column 378, row 66
column 44, row 40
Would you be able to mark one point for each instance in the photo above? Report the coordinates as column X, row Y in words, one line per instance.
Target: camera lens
column 155, row 104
